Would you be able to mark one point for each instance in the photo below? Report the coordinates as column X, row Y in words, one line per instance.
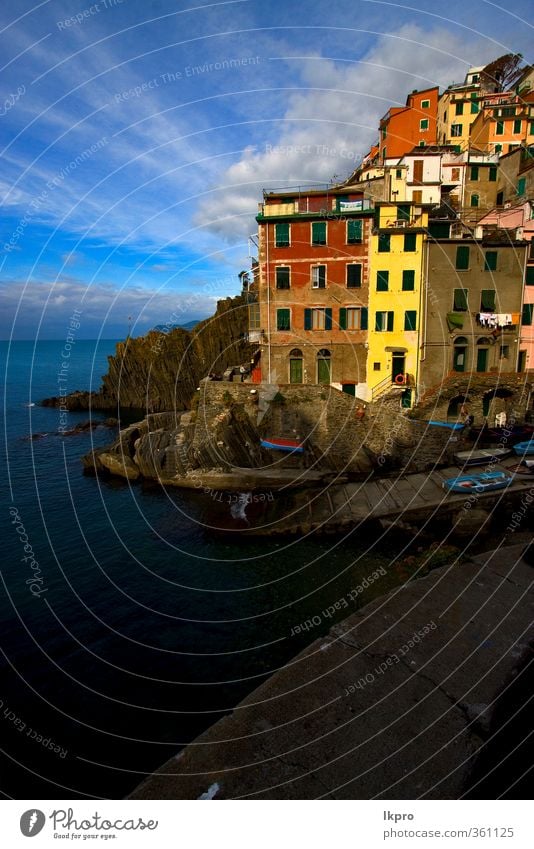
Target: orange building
column 504, row 122
column 404, row 127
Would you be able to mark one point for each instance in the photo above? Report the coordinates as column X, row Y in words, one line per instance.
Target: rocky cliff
column 161, row 371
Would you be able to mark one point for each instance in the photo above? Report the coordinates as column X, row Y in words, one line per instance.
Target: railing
column 388, row 383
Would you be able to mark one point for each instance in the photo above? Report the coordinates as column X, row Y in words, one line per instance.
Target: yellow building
column 396, row 285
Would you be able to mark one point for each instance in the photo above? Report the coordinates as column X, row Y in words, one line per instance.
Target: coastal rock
column 119, row 465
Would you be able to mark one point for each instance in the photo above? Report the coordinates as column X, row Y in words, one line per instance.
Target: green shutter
column 354, row 232
column 474, row 107
column 462, row 257
column 354, row 276
column 391, row 317
column 281, row 235
column 363, row 318
column 319, row 233
column 487, row 300
column 342, row 318
column 460, row 300
column 499, row 129
column 328, row 318
column 382, row 281
column 403, row 212
column 493, row 173
column 282, row 277
column 410, row 320
column 384, row 240
column 490, row 261
column 439, row 229
column 517, row 125
column 529, row 277
column 521, row 185
column 378, row 321
column 410, row 240
column 526, row 317
column 408, row 280
column 474, row 172
column 282, row 319
column 307, row 319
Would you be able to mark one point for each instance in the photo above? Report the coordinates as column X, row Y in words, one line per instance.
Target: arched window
column 459, row 359
column 295, row 366
column 323, row 366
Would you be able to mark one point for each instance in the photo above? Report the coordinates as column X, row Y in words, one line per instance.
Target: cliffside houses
column 420, row 265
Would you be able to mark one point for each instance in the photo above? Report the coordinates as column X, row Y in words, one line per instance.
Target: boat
column 449, row 425
column 482, row 482
column 479, row 456
column 277, row 444
column 521, row 469
column 524, row 448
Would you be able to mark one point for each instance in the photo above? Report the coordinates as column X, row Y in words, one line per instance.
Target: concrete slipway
column 395, row 702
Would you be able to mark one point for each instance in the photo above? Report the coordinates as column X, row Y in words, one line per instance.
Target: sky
column 137, row 137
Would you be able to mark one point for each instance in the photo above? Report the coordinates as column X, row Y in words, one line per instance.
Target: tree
column 503, row 73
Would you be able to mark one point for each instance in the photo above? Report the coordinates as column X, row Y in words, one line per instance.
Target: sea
column 128, row 625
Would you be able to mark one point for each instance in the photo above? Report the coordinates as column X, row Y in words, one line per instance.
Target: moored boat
column 482, row 482
column 277, row 444
column 523, row 449
column 478, row 456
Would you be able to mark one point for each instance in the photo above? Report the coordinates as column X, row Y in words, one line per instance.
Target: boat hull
column 523, row 449
column 283, row 445
column 480, row 456
column 484, row 482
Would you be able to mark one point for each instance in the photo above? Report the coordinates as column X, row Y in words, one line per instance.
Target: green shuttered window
column 460, row 300
column 490, row 261
column 528, row 310
column 281, row 235
column 462, row 257
column 384, row 243
column 283, row 320
column 529, row 278
column 382, row 281
column 487, row 300
column 319, row 233
column 354, row 276
column 408, row 280
column 282, row 277
column 410, row 241
column 354, row 232
column 410, row 320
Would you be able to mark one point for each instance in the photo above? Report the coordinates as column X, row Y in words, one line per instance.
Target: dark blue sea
column 130, row 627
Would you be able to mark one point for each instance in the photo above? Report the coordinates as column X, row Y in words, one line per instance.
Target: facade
column 505, row 121
column 480, row 185
column 395, row 298
column 457, row 109
column 313, row 287
column 404, row 127
column 516, row 176
column 473, row 306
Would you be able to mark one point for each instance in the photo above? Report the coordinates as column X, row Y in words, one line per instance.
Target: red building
column 311, row 316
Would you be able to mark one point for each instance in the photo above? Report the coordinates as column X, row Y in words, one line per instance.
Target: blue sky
column 137, row 137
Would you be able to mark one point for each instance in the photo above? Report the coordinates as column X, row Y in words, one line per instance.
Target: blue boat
column 283, row 445
column 524, row 448
column 482, row 482
column 448, row 425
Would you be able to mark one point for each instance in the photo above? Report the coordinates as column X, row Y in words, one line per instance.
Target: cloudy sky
column 137, row 136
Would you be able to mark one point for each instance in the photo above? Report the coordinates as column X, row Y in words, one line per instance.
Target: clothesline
column 497, row 319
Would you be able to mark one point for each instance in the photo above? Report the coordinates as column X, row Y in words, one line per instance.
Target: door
column 418, row 171
column 482, row 359
column 397, row 366
column 458, row 362
column 295, row 370
column 323, row 370
column 522, row 361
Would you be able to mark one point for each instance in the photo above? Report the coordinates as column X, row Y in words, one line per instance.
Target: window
column 500, row 198
column 350, row 318
column 490, row 261
column 384, row 243
column 458, row 108
column 323, row 366
column 499, row 128
column 517, row 125
column 529, row 277
column 408, row 280
column 384, row 132
column 354, row 276
column 498, row 148
column 531, row 128
column 423, row 124
column 295, row 366
column 425, row 104
column 403, row 211
column 456, row 130
column 283, row 319
column 398, row 173
column 354, row 232
column 528, row 310
column 474, row 200
column 410, row 320
column 376, row 366
column 475, row 78
column 521, row 185
column 382, row 281
column 493, row 173
column 504, row 352
column 384, row 320
column 508, row 111
column 281, row 235
column 410, row 241
column 487, row 300
column 474, row 107
column 282, row 276
column 422, row 143
column 319, row 233
column 417, row 196
column 459, row 303
column 318, row 275
column 455, row 174
column 254, row 317
column 462, row 258
column 474, row 172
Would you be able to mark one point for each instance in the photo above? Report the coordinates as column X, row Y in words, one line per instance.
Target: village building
column 404, row 127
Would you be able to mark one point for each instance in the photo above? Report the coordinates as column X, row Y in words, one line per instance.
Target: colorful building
column 396, row 287
column 313, row 286
column 505, row 121
column 458, row 107
column 404, row 127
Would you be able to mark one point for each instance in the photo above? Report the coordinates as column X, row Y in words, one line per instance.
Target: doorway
column 295, row 366
column 323, row 366
column 397, row 366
